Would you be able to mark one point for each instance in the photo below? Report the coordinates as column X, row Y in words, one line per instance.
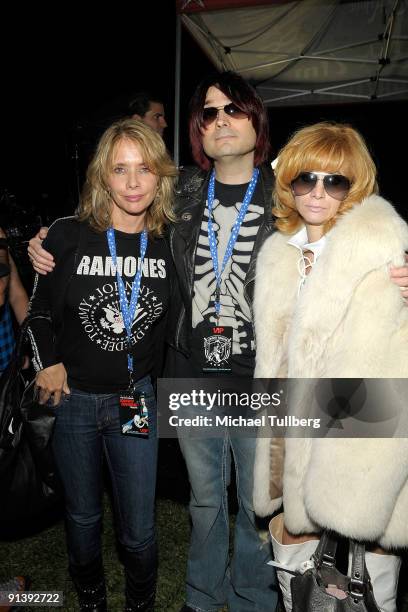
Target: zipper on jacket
column 179, row 325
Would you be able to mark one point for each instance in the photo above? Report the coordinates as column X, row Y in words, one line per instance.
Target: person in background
column 324, row 308
column 14, row 300
column 108, row 297
column 12, row 294
column 4, row 267
column 18, row 584
column 149, row 108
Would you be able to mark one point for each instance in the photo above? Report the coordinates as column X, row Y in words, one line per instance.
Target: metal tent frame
column 309, row 52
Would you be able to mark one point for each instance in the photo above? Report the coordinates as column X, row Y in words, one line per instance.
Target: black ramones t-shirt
column 93, row 342
column 235, row 311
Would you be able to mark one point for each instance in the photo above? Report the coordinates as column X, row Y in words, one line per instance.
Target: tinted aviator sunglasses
column 210, row 113
column 335, row 185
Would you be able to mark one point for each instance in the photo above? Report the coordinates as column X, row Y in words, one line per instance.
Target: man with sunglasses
column 223, row 209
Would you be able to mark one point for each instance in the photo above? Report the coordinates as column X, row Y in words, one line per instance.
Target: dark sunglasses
column 335, row 185
column 210, row 113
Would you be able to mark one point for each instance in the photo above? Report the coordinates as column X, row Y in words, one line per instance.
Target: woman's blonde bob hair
column 325, row 147
column 96, row 202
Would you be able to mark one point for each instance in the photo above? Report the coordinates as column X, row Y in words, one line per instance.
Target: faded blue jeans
column 246, row 583
column 87, row 429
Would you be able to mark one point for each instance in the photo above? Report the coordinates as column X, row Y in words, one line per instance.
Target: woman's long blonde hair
column 96, row 202
column 326, row 147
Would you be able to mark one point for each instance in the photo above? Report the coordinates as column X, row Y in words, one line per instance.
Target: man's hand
column 43, row 262
column 399, row 276
column 52, row 381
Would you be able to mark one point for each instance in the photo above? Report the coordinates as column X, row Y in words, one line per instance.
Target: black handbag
column 319, row 588
column 28, row 480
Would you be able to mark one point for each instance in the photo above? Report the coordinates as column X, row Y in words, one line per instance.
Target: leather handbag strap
column 25, row 325
column 325, row 555
column 326, row 551
column 17, row 359
column 359, row 575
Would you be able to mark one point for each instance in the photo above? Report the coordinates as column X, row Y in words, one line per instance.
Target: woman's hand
column 399, row 276
column 43, row 262
column 52, row 381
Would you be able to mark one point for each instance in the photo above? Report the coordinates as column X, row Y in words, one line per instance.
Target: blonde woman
column 107, row 297
column 325, row 307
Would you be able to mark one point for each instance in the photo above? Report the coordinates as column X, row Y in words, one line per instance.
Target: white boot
column 292, row 557
column 384, row 571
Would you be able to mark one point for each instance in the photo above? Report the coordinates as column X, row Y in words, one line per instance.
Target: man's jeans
column 247, row 583
column 87, row 428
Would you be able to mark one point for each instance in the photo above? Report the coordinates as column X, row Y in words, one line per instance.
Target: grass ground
column 41, row 552
column 43, row 558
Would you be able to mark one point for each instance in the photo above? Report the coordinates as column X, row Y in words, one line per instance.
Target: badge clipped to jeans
column 133, row 413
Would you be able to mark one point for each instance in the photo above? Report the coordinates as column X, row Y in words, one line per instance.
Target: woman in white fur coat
column 325, row 307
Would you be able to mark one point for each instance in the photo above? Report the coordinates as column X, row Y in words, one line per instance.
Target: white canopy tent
column 305, row 52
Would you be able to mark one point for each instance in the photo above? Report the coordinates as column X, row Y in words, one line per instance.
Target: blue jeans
column 87, row 428
column 246, row 583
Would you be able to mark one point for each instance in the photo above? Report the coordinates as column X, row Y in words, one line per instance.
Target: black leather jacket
column 190, row 201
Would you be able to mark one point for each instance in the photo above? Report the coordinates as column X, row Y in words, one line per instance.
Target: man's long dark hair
column 245, row 97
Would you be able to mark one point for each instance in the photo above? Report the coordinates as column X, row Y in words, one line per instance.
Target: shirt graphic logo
column 217, row 349
column 113, row 319
column 102, row 320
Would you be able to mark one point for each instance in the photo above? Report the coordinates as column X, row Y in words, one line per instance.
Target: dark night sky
column 63, row 74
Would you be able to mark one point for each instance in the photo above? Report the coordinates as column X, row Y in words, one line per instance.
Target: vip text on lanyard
column 128, row 309
column 234, row 233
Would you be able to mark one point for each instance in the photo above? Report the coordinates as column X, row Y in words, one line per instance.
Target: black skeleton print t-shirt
column 235, row 311
column 93, row 341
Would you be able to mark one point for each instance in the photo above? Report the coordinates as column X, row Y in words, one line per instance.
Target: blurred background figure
column 12, row 294
column 14, row 300
column 18, row 584
column 21, row 214
column 149, row 108
column 4, row 267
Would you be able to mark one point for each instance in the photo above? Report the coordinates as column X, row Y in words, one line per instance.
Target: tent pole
column 177, row 79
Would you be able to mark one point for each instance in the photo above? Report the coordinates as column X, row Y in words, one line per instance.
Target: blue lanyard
column 234, row 233
column 128, row 309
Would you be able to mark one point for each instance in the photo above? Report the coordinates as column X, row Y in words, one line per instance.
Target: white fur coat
column 350, row 321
